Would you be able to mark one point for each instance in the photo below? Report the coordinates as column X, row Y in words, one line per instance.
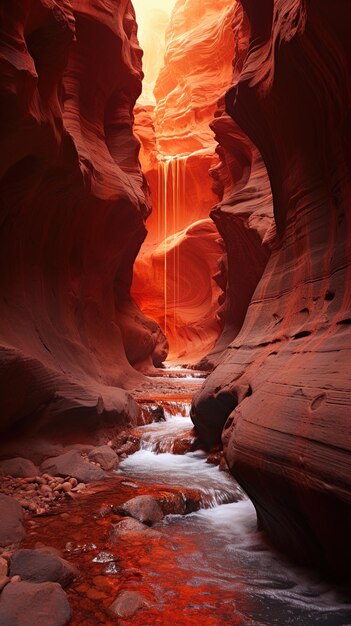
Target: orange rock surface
column 73, row 206
column 176, row 157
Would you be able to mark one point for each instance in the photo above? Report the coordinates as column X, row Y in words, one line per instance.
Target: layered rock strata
column 73, row 207
column 282, row 390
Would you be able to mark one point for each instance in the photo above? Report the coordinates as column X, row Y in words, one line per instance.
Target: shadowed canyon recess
column 175, row 382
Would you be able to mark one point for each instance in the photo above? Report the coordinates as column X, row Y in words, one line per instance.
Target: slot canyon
column 175, row 307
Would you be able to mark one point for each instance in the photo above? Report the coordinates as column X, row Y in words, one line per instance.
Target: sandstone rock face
column 176, row 156
column 282, row 389
column 73, row 207
column 244, row 216
column 192, row 80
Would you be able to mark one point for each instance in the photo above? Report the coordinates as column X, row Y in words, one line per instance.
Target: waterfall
column 171, row 218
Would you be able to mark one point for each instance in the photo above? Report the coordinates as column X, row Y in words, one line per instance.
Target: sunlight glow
column 153, row 18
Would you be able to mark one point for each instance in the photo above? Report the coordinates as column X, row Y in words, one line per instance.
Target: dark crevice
column 303, row 333
column 329, row 296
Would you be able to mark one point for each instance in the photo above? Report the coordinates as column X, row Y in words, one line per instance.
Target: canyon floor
column 186, row 552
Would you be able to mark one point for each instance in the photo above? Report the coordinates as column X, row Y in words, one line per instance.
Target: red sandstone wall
column 284, row 384
column 73, row 206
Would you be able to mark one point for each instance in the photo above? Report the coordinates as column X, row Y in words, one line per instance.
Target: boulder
column 145, row 509
column 39, row 566
column 72, row 464
column 128, row 603
column 128, row 526
column 105, row 457
column 29, row 604
column 18, row 468
column 11, row 521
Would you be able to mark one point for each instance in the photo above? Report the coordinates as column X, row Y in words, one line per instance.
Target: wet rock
column 128, row 526
column 72, row 464
column 11, row 521
column 130, row 447
column 143, row 508
column 173, row 503
column 214, row 458
column 111, row 569
column 184, row 444
column 105, row 457
column 128, row 603
column 104, row 557
column 129, row 484
column 39, row 566
column 158, row 414
column 29, row 604
column 18, row 468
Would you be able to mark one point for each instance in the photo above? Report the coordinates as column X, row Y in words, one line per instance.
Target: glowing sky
column 152, row 17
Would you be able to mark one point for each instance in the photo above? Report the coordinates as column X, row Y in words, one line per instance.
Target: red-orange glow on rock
column 181, row 253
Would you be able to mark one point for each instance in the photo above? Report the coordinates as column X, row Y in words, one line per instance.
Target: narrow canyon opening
column 174, row 313
column 174, row 272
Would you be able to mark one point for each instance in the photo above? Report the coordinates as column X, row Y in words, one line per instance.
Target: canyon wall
column 73, row 207
column 181, row 235
column 282, row 389
column 244, row 214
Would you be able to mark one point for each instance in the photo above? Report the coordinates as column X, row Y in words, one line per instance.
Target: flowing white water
column 231, row 556
column 156, row 463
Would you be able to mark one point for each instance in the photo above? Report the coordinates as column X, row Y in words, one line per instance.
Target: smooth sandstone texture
column 73, row 207
column 282, row 389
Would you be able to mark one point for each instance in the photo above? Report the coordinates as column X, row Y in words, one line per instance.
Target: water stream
column 237, row 578
column 207, row 568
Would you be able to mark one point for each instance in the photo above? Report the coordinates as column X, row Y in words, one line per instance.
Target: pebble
column 15, row 579
column 37, row 494
column 3, row 567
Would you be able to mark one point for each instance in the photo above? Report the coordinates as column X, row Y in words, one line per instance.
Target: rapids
column 253, row 585
column 208, row 568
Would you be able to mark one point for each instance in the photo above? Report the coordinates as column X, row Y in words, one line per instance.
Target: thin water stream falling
column 171, row 176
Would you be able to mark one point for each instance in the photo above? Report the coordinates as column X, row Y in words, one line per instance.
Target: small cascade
column 170, row 220
column 167, row 457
